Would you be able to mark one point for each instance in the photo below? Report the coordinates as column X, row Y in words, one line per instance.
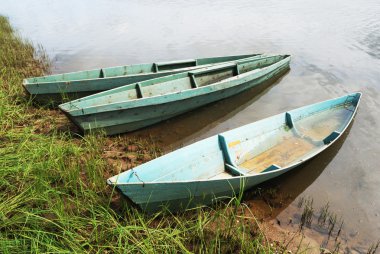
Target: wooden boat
column 56, row 88
column 138, row 105
column 226, row 164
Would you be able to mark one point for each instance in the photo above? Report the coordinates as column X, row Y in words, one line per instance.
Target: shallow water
column 335, row 48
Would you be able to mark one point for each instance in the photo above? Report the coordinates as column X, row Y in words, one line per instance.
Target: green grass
column 53, row 194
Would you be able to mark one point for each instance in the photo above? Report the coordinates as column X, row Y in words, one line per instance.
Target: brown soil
column 293, row 241
column 123, row 153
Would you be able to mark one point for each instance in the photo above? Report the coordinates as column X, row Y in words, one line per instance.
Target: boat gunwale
column 242, row 177
column 150, row 101
column 222, row 64
column 26, row 82
column 114, row 77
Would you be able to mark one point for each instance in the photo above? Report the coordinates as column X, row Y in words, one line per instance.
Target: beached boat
column 134, row 106
column 224, row 165
column 59, row 87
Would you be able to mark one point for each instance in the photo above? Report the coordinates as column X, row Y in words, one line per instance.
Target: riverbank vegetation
column 53, row 195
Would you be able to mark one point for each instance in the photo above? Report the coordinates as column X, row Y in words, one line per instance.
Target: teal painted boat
column 224, row 165
column 138, row 105
column 56, row 88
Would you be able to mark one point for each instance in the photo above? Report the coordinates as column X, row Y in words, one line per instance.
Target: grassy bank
column 53, row 196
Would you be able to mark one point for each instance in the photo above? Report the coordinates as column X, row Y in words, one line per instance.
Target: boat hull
column 179, row 196
column 224, row 165
column 69, row 86
column 125, row 120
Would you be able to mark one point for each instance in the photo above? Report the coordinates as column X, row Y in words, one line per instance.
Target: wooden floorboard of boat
column 282, row 154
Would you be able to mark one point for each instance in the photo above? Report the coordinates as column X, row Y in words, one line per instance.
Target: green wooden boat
column 60, row 87
column 226, row 164
column 138, row 105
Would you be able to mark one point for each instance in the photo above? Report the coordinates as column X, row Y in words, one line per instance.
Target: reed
column 373, row 248
column 323, row 214
column 308, row 212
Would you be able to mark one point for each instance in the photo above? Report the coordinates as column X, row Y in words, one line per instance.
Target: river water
column 335, row 48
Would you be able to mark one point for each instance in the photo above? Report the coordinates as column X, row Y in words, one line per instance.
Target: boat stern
column 112, row 180
column 26, row 85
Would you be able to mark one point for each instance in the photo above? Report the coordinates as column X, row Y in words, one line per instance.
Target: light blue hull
column 226, row 164
column 185, row 195
column 114, row 117
column 55, row 88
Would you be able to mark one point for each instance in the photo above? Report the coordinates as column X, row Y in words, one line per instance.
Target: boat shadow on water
column 275, row 195
column 187, row 127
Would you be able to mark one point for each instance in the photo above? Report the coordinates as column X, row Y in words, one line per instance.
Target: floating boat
column 60, row 87
column 224, row 165
column 134, row 106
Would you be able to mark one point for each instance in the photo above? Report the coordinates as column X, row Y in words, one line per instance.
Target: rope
column 134, row 172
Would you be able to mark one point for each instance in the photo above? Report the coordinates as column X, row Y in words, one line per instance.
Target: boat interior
column 135, row 69
column 302, row 134
column 178, row 82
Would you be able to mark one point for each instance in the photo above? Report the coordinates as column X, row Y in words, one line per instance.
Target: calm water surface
column 335, row 48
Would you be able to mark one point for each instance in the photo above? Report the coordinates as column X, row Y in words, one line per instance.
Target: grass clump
column 53, row 195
